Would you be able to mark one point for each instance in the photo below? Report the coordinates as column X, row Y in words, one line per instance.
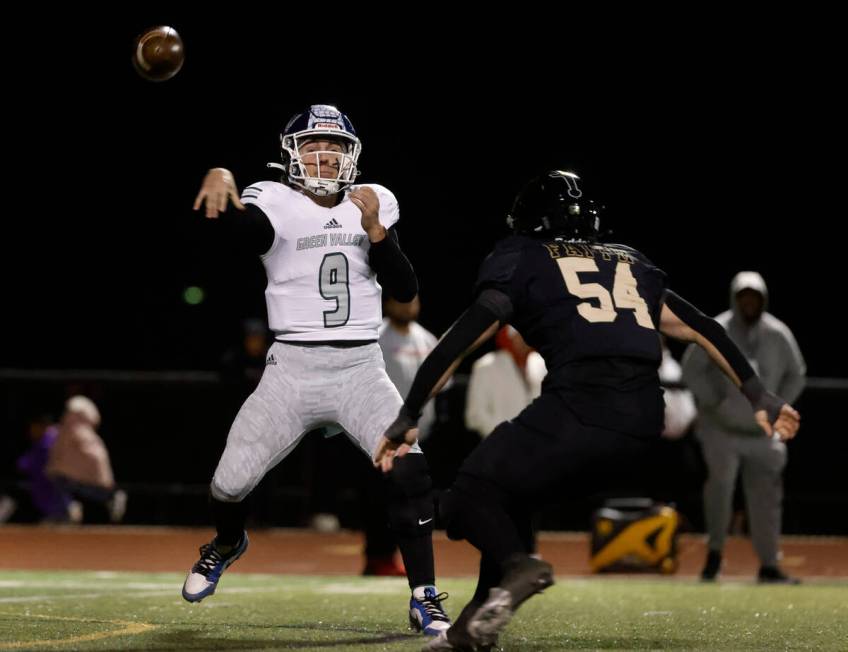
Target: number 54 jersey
column 320, row 285
column 592, row 311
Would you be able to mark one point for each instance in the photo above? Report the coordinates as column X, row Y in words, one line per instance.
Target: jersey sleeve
column 249, row 230
column 260, row 195
column 499, row 269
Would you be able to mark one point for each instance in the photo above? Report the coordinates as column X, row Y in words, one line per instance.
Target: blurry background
column 715, row 150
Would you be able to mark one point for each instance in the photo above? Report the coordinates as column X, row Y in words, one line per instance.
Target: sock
column 229, row 522
column 417, row 553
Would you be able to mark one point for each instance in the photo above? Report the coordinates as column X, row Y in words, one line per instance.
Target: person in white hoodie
column 503, row 382
column 731, row 440
column 680, row 410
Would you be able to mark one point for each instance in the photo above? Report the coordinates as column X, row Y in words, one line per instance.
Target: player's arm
column 683, row 321
column 393, row 269
column 250, row 228
column 490, row 310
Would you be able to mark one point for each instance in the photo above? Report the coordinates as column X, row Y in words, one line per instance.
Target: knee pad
column 410, row 475
column 410, row 497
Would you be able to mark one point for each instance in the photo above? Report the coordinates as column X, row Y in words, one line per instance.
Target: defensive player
column 594, row 312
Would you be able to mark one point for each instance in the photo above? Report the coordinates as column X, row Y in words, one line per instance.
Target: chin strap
column 319, row 187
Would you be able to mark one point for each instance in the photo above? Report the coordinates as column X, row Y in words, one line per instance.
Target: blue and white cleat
column 204, row 575
column 425, row 611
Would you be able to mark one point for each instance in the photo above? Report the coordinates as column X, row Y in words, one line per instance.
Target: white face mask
column 297, row 172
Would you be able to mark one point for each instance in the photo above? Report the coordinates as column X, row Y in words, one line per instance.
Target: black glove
column 395, row 432
column 762, row 399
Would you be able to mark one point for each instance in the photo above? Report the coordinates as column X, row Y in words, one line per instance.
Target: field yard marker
column 127, row 629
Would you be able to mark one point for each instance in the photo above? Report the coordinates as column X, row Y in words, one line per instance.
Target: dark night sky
column 713, row 154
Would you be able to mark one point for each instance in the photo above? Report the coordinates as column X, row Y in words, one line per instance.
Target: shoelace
column 433, row 606
column 209, row 558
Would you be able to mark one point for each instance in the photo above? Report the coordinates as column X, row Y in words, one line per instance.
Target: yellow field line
column 127, row 629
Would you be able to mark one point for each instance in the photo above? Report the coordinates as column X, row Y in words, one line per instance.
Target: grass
column 136, row 611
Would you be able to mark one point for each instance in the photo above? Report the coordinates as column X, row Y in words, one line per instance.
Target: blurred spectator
column 79, row 464
column 680, row 411
column 39, row 498
column 48, row 499
column 503, row 382
column 405, row 343
column 674, row 470
column 732, row 441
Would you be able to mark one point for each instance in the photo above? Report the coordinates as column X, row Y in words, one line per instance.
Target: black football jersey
column 592, row 312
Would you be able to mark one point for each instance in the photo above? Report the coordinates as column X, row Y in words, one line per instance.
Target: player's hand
column 368, row 202
column 784, row 427
column 219, row 187
column 387, row 450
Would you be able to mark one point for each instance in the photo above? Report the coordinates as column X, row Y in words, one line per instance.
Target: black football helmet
column 554, row 205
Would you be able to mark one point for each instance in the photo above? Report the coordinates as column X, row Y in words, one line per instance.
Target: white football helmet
column 319, row 122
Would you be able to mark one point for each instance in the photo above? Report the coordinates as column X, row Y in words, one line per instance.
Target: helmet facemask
column 295, row 160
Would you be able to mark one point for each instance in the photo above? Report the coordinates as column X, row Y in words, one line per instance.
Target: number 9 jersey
column 320, row 285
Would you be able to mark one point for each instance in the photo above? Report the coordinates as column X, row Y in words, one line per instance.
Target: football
column 158, row 53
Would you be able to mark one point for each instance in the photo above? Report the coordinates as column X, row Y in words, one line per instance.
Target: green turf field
column 135, row 611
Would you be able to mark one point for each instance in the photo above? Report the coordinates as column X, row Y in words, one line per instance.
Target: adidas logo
column 271, row 360
column 333, row 224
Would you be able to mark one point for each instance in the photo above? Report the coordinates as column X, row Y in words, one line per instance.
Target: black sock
column 490, row 576
column 411, row 513
column 229, row 522
column 417, row 553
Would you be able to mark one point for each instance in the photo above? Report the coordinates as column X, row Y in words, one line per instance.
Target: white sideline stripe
column 76, row 584
column 341, row 588
column 75, row 596
column 337, row 588
column 141, row 594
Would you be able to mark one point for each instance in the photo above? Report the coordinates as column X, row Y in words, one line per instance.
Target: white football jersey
column 320, row 286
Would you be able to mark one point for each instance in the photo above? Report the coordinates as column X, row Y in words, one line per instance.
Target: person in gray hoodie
column 731, row 440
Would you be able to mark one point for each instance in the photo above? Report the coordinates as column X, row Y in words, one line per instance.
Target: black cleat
column 773, row 575
column 711, row 566
column 526, row 577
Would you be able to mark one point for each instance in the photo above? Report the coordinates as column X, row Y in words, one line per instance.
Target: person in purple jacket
column 49, row 501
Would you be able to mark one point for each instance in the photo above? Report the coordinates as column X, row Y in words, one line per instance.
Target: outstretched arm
column 681, row 320
column 250, row 228
column 476, row 325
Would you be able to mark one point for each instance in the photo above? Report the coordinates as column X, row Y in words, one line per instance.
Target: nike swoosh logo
column 420, row 522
